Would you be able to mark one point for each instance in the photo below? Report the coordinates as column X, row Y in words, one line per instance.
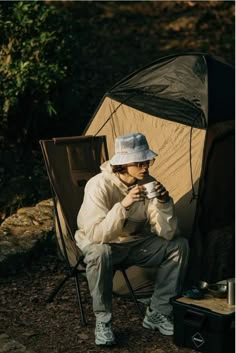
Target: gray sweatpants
column 168, row 257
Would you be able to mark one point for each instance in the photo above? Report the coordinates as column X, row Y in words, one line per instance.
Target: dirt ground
column 56, row 328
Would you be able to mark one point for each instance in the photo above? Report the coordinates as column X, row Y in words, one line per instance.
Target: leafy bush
column 37, row 45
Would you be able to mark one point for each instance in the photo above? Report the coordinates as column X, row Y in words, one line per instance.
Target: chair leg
column 56, row 290
column 132, row 293
column 82, row 315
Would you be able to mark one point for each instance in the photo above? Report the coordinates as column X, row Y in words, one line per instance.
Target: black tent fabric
column 214, row 235
column 189, row 88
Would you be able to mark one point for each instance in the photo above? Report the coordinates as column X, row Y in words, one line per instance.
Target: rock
column 25, row 234
column 22, row 236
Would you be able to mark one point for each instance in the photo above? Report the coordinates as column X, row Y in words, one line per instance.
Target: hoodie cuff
column 126, row 209
column 163, row 205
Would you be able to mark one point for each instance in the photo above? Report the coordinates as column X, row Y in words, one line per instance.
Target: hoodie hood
column 106, row 170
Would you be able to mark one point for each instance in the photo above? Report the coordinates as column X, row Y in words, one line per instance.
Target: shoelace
column 161, row 318
column 105, row 327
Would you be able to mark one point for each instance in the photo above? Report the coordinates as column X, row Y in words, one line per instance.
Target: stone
column 25, row 234
column 22, row 236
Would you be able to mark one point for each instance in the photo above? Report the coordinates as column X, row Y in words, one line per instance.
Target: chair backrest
column 70, row 163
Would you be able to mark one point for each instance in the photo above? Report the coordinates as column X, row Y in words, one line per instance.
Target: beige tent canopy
column 184, row 104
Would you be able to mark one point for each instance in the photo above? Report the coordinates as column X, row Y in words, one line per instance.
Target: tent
column 184, row 104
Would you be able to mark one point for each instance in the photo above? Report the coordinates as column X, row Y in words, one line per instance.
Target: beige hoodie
column 103, row 219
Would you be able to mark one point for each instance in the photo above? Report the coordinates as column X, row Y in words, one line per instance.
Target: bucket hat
column 131, row 148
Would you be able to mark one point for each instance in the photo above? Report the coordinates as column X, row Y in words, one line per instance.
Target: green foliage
column 37, row 45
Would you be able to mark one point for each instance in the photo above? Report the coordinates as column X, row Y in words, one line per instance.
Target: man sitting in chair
column 118, row 224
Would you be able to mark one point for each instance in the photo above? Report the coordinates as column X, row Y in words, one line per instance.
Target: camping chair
column 70, row 163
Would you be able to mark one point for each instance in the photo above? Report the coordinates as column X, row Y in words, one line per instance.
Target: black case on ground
column 203, row 329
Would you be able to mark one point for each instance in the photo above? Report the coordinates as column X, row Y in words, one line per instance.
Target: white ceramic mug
column 150, row 190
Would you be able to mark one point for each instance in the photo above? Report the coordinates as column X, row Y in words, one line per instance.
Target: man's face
column 138, row 170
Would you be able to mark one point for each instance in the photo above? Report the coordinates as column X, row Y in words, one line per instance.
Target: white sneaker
column 104, row 335
column 154, row 320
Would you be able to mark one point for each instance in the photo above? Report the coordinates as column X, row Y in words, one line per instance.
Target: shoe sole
column 155, row 328
column 106, row 343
